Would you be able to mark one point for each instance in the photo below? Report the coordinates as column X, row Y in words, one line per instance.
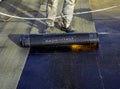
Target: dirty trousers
column 68, row 9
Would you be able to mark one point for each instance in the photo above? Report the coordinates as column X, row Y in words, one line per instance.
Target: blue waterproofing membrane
column 98, row 69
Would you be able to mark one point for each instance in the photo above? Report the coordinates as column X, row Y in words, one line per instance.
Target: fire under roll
column 72, row 40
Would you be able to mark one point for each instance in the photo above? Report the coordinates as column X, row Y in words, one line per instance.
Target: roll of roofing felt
column 37, row 40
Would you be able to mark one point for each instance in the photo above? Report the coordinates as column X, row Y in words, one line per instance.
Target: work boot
column 67, row 30
column 50, row 26
column 49, row 29
column 50, row 23
column 66, row 27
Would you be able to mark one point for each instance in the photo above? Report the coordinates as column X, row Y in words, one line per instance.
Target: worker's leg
column 68, row 10
column 51, row 11
column 43, row 5
column 42, row 2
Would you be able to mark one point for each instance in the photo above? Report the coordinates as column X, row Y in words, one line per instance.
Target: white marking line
column 78, row 13
column 108, row 33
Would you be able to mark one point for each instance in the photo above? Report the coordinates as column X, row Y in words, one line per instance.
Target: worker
column 67, row 10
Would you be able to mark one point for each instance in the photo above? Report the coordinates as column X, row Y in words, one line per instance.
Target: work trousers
column 68, row 9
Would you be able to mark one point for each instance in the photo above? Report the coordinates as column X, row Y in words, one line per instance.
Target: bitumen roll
column 57, row 40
